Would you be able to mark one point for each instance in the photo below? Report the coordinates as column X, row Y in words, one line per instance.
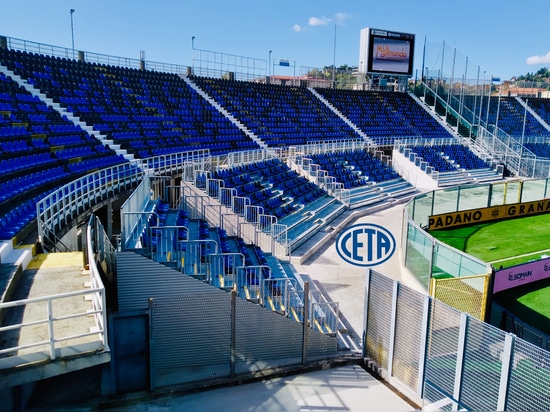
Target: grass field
column 505, row 243
column 509, row 243
column 530, row 302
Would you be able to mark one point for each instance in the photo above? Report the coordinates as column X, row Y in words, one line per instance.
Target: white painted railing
column 56, row 337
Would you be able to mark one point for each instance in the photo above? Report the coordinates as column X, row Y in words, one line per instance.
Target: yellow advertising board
column 487, row 214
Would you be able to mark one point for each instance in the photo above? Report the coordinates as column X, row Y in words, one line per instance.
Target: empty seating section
column 39, row 150
column 301, row 207
column 147, row 113
column 296, row 189
column 463, row 157
column 539, row 143
column 198, row 229
column 434, row 157
column 385, row 116
column 541, row 106
column 447, row 158
column 278, row 115
column 150, row 113
column 271, row 185
column 539, row 149
column 354, row 168
column 507, row 113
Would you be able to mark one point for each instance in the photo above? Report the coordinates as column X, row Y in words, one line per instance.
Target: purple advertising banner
column 521, row 275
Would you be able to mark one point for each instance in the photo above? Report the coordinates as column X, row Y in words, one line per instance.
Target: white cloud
column 341, row 17
column 319, row 21
column 297, row 28
column 533, row 60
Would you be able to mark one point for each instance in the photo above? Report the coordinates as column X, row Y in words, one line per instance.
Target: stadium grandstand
column 154, row 221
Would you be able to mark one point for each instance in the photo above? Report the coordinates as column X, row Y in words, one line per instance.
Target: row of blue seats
column 20, row 163
column 16, row 219
column 144, row 91
column 20, row 185
column 345, row 167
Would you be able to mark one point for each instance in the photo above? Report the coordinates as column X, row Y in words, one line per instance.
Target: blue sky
column 504, row 38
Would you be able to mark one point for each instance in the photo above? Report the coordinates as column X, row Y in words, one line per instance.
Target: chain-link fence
column 468, row 294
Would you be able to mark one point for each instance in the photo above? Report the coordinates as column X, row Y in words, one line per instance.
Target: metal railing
column 64, row 204
column 52, row 313
column 91, row 57
column 50, row 320
column 58, row 209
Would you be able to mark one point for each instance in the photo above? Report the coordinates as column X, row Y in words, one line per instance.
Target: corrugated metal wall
column 191, row 326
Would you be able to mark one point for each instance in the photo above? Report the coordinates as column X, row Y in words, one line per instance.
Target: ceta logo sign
column 365, row 245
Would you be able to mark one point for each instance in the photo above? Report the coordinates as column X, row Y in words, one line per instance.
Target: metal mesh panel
column 176, row 328
column 435, row 399
column 465, row 294
column 379, row 318
column 263, row 341
column 442, row 346
column 408, row 330
column 191, row 339
column 529, row 380
column 482, row 366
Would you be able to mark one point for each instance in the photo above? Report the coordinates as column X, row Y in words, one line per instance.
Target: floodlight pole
column 72, row 29
column 269, row 64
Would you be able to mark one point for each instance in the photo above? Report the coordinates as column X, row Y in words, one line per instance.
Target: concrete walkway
column 47, row 275
column 347, row 388
column 344, row 282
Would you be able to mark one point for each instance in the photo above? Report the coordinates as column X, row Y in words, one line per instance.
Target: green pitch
column 505, row 243
column 529, row 303
column 509, row 243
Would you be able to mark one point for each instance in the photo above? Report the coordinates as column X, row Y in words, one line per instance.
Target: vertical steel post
column 233, row 330
column 151, row 346
column 461, row 350
column 393, row 322
column 423, row 346
column 305, row 338
column 507, row 354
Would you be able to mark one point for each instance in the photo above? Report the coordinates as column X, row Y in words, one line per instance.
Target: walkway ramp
column 26, row 352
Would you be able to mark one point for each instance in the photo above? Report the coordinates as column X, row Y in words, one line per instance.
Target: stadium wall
column 425, row 256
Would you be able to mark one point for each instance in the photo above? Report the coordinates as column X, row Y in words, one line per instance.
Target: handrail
column 50, row 320
column 98, row 302
column 99, row 305
column 59, row 207
column 91, row 57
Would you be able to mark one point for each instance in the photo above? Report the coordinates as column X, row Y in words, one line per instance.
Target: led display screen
column 389, row 52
